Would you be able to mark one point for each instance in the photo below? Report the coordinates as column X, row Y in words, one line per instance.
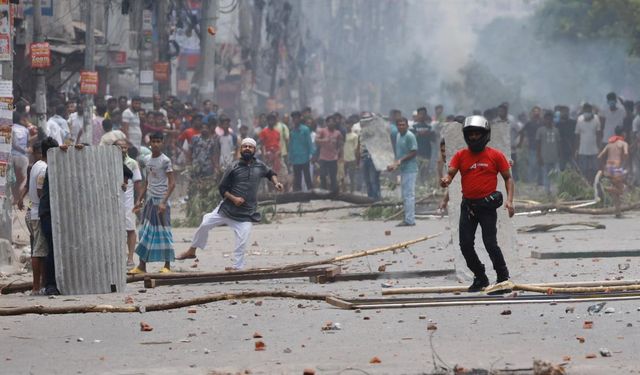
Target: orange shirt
column 270, row 139
column 479, row 171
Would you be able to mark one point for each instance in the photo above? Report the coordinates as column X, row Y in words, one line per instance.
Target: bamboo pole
column 555, row 290
column 80, row 309
column 402, row 210
column 604, row 284
column 290, row 267
column 358, row 254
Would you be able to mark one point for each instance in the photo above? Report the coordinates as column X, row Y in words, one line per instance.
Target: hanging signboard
column 5, row 27
column 161, row 71
column 40, row 55
column 88, row 82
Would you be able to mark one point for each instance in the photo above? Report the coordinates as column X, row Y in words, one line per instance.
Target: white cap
column 249, row 141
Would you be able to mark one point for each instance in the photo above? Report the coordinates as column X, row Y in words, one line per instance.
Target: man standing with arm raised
column 479, row 166
column 239, row 190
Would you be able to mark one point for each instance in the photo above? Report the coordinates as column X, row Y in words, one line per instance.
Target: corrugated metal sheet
column 87, row 219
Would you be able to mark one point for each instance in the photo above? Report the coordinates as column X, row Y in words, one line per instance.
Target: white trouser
column 240, row 228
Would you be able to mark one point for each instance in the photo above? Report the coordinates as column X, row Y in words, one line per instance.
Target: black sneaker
column 52, row 291
column 404, row 224
column 479, row 283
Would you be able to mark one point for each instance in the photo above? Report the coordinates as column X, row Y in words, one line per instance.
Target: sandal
column 165, row 270
column 136, row 271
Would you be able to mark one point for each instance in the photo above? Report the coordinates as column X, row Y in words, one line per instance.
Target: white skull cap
column 249, row 141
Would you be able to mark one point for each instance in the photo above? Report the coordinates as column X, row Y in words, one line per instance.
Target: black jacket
column 242, row 179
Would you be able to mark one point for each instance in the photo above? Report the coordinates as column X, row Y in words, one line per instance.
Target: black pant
column 298, row 171
column 470, row 216
column 49, row 261
column 329, row 168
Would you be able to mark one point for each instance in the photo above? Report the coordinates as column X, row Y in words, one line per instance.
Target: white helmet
column 476, row 123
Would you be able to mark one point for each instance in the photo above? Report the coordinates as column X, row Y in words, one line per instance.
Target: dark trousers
column 49, row 261
column 371, row 179
column 300, row 170
column 329, row 169
column 470, row 216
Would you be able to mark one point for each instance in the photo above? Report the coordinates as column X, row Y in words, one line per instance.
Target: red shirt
column 270, row 138
column 479, row 171
column 188, row 135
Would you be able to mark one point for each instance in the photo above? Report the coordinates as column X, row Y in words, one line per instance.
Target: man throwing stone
column 479, row 166
column 239, row 190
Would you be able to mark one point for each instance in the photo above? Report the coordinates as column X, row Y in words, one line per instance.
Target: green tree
column 589, row 19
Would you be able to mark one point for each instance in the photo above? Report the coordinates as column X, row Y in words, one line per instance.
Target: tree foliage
column 592, row 19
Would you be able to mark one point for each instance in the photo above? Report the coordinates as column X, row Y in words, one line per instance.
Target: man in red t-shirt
column 479, row 166
column 270, row 139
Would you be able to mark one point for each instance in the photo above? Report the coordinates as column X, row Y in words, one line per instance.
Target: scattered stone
column 330, row 326
column 260, row 346
column 422, row 317
column 386, row 285
column 580, row 339
column 80, row 339
column 287, row 351
column 569, row 310
column 375, row 360
column 128, row 300
column 145, row 327
column 506, row 312
column 257, row 335
column 623, row 266
column 587, row 324
column 609, row 310
column 308, row 371
column 594, row 309
column 432, row 327
column 387, row 232
column 310, row 239
column 258, row 303
column 382, row 268
column 590, row 356
column 207, row 351
column 605, row 352
column 192, row 311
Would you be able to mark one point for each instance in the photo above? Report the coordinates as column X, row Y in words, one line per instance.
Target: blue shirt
column 300, row 145
column 404, row 145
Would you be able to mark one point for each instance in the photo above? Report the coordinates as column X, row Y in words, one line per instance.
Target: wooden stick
column 548, row 227
column 290, row 267
column 461, row 289
column 80, row 309
column 15, row 287
column 402, row 210
column 555, row 290
column 505, row 301
column 353, row 255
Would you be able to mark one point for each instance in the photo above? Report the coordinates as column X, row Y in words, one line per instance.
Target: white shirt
column 612, row 120
column 19, row 140
column 226, row 150
column 127, row 196
column 36, row 179
column 58, row 129
column 134, row 133
column 157, row 180
column 75, row 125
column 111, row 137
column 587, row 130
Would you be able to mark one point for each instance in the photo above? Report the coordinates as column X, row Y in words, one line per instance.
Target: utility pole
column 41, row 85
column 5, row 204
column 208, row 49
column 246, row 76
column 163, row 43
column 107, row 10
column 89, row 65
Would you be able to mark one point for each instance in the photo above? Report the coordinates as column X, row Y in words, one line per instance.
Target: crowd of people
column 304, row 150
